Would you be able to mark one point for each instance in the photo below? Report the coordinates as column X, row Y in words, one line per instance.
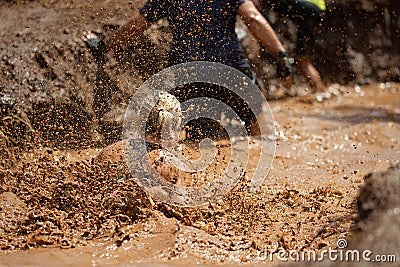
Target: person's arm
column 263, row 31
column 128, row 32
column 122, row 36
column 260, row 28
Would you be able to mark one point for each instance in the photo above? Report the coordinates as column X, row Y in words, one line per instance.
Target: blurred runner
column 308, row 16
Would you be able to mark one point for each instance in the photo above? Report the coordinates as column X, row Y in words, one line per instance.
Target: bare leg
column 312, row 75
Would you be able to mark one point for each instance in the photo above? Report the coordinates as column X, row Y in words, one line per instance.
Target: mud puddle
column 325, row 146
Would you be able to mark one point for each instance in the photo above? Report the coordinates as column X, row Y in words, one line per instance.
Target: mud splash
column 59, row 206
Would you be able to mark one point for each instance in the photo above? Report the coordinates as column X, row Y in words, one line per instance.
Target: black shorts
column 225, row 95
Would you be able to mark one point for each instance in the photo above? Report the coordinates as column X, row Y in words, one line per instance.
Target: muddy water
column 326, row 143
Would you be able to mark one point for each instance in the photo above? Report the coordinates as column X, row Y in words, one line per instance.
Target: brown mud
column 59, row 207
column 56, row 199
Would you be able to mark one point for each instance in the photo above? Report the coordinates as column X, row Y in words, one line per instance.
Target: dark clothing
column 307, row 16
column 202, row 29
column 204, row 127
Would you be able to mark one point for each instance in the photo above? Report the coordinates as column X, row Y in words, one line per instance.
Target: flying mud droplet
column 154, row 115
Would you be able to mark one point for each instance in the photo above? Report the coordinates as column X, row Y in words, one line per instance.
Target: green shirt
column 319, row 3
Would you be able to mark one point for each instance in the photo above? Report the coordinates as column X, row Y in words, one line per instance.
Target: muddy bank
column 379, row 207
column 372, row 240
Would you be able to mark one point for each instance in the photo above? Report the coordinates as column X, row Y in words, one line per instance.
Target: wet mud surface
column 60, row 200
column 59, row 206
